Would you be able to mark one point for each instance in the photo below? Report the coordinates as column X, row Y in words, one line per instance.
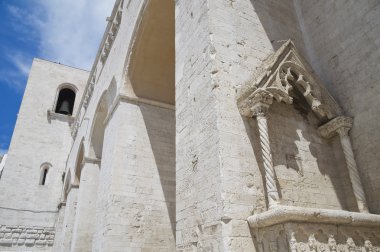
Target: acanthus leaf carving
column 340, row 124
column 332, row 243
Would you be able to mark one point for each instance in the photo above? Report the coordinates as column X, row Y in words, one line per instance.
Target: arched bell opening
column 65, row 102
column 152, row 64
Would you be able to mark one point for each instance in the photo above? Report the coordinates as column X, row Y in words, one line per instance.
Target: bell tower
column 32, row 177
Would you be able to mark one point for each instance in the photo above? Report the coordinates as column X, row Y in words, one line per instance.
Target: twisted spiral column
column 352, row 169
column 270, row 181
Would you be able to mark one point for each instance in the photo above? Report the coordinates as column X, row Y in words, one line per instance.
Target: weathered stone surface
column 162, row 153
column 29, row 242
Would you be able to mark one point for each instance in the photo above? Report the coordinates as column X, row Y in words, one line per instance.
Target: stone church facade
column 205, row 125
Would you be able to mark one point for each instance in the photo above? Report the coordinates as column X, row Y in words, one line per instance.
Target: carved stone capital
column 256, row 104
column 340, row 125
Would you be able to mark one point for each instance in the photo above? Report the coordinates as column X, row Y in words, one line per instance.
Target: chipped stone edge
column 282, row 214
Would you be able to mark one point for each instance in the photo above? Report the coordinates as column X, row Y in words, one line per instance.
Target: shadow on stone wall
column 279, row 21
column 309, row 173
column 160, row 125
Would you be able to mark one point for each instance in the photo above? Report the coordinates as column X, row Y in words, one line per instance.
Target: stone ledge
column 56, row 116
column 282, row 214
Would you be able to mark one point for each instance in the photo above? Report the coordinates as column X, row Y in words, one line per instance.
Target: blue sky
column 65, row 31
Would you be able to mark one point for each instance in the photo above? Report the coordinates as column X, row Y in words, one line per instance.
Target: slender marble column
column 342, row 125
column 259, row 109
column 352, row 169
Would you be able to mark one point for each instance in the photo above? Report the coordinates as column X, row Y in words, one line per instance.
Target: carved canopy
column 282, row 72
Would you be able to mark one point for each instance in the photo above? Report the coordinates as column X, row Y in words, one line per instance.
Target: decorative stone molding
column 89, row 91
column 259, row 100
column 299, row 229
column 313, row 245
column 111, row 35
column 22, row 236
column 102, row 55
column 284, row 214
column 331, row 128
column 283, row 72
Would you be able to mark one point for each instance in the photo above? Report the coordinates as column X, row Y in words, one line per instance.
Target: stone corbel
column 260, row 102
column 341, row 126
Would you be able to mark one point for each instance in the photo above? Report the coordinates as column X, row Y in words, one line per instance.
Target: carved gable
column 281, row 74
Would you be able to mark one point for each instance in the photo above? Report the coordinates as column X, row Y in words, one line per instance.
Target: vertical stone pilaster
column 85, row 217
column 69, row 218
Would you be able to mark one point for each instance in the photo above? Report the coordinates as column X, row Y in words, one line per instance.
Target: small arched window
column 44, row 172
column 65, row 102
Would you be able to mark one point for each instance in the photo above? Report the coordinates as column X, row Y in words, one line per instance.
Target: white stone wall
column 114, row 198
column 187, row 179
column 37, row 139
column 219, row 182
column 136, row 199
column 342, row 38
column 310, row 170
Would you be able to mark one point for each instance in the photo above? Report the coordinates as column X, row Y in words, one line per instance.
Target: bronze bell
column 64, row 108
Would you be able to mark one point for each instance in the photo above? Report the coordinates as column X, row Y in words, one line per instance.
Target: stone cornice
column 102, row 54
column 286, row 214
column 135, row 100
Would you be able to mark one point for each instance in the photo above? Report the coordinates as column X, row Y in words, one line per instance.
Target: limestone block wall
column 17, row 238
column 233, row 38
column 136, row 195
column 302, row 158
column 198, row 209
column 37, row 139
column 219, row 182
column 346, row 56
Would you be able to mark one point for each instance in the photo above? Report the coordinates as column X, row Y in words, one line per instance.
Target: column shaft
column 353, row 170
column 68, row 221
column 85, row 216
column 270, row 180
